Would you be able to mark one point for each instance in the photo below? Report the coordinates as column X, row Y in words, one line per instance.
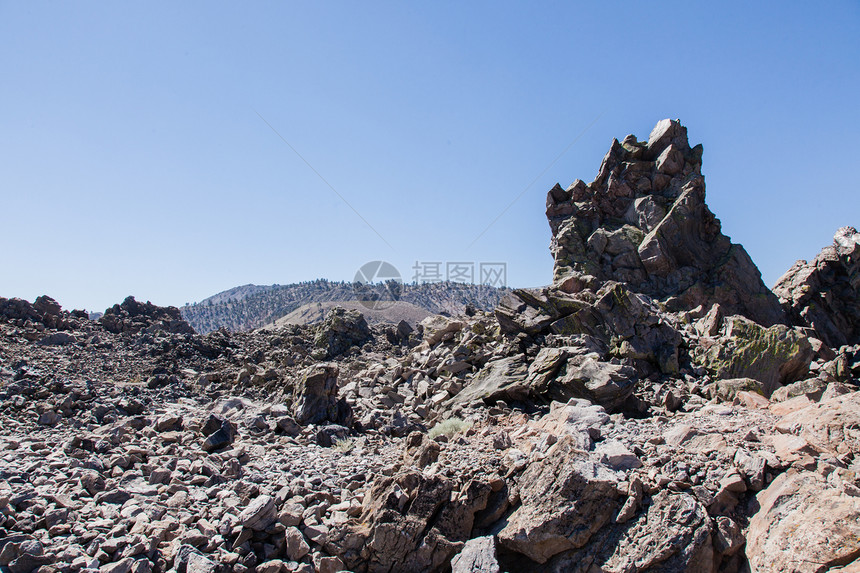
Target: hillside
column 252, row 306
column 315, row 312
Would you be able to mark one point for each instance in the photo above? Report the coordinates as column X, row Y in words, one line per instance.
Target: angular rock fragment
column 260, row 513
column 805, row 523
column 315, row 397
column 773, row 356
column 566, row 498
column 477, row 556
column 341, row 330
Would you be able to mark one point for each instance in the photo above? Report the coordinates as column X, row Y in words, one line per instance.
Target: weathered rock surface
column 341, row 330
column 832, row 425
column 625, row 323
column 409, row 522
column 316, row 400
column 477, row 556
column 565, row 498
column 825, row 294
column 806, row 523
column 773, row 356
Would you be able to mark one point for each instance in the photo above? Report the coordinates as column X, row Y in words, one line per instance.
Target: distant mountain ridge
column 250, row 306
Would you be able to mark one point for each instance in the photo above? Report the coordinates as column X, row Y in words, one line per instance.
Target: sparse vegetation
column 252, row 306
column 449, row 428
column 344, row 445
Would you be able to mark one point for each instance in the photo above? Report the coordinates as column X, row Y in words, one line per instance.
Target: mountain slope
column 253, row 306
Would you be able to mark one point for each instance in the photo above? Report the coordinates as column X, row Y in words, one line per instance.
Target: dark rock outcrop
column 315, row 398
column 341, row 330
column 825, row 293
column 132, row 316
column 44, row 309
column 628, row 324
column 17, row 309
column 643, row 221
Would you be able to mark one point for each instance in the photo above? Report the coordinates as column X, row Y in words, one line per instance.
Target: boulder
column 674, row 534
column 812, row 388
column 603, row 383
column 259, row 514
column 500, row 379
column 47, row 306
column 477, row 556
column 566, row 498
column 773, row 356
column 297, row 546
column 58, row 339
column 197, row 563
column 409, row 522
column 728, row 389
column 438, row 327
column 315, row 397
column 825, row 294
column 806, row 523
column 626, row 324
column 580, row 419
column 18, row 309
column 557, row 374
column 219, row 433
column 831, row 425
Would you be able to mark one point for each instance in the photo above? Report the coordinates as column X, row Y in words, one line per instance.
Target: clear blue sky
column 133, row 159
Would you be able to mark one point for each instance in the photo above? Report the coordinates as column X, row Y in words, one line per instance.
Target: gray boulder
column 673, row 535
column 132, row 316
column 566, row 498
column 806, row 523
column 477, row 556
column 773, row 356
column 409, row 522
column 315, row 398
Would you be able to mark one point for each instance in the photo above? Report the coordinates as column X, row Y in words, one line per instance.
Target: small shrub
column 344, row 445
column 448, row 428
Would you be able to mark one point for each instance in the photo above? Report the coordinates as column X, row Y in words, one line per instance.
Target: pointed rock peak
column 847, row 239
column 667, row 132
column 643, row 221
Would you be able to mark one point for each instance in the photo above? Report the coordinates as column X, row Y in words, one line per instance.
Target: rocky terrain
column 657, row 408
column 252, row 306
column 385, row 314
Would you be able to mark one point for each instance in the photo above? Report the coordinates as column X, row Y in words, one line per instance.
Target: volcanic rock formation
column 643, row 221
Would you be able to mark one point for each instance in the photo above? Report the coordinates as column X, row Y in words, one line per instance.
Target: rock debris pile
column 656, row 408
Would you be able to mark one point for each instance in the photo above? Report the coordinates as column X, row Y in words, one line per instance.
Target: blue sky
column 133, row 159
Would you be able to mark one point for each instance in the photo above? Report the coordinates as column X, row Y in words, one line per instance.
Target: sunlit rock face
column 643, row 221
